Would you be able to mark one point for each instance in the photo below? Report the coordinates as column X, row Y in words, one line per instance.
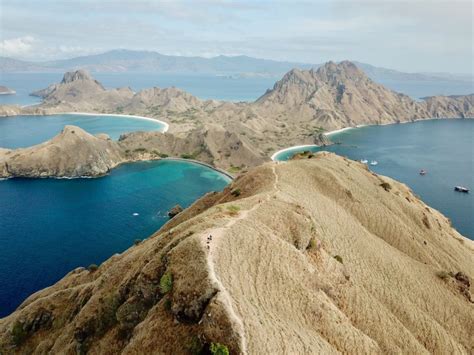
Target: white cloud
column 19, row 46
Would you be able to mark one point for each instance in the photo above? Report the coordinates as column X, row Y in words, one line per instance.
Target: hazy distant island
column 6, row 91
column 300, row 108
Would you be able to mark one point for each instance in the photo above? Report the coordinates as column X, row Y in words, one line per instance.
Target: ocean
column 444, row 148
column 49, row 227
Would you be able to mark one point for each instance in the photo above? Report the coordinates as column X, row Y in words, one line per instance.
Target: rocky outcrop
column 72, row 153
column 175, row 211
column 313, row 255
column 450, row 106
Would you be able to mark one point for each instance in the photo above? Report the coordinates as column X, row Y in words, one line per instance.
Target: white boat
column 364, row 161
column 374, row 162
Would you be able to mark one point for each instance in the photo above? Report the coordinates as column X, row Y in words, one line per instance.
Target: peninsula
column 314, row 255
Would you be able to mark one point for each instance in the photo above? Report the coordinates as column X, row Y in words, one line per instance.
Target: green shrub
column 137, row 241
column 234, row 169
column 92, row 267
column 163, row 155
column 219, row 349
column 18, row 333
column 187, row 156
column 312, row 244
column 168, row 304
column 166, row 283
column 338, row 258
column 195, row 346
column 140, row 150
column 443, row 275
column 235, row 192
column 387, row 187
column 233, row 209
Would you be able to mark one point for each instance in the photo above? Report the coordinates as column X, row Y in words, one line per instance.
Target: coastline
column 274, row 155
column 165, row 129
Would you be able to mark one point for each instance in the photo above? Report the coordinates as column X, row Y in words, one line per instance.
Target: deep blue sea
column 445, row 148
column 49, row 227
column 24, row 131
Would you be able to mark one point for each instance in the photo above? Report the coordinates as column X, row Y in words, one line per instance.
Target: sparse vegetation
column 195, row 346
column 312, row 244
column 235, row 192
column 167, row 304
column 218, row 349
column 443, row 275
column 19, row 334
column 92, row 267
column 140, row 150
column 166, row 283
column 338, row 258
column 234, row 169
column 233, row 209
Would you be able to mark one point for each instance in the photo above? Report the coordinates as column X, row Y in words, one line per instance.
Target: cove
column 25, row 131
column 445, row 148
column 49, row 226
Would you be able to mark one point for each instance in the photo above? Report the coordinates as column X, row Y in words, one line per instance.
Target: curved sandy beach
column 166, row 126
column 274, row 155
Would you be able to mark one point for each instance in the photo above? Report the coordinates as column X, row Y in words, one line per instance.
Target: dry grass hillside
column 300, row 106
column 311, row 256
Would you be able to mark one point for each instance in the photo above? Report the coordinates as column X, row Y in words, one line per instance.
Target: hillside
column 312, row 256
column 72, row 153
column 299, row 108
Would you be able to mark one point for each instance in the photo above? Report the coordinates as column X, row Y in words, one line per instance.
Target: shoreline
column 165, row 129
column 274, row 155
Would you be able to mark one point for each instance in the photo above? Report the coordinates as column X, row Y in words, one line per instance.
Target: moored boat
column 461, row 189
column 423, row 172
column 374, row 162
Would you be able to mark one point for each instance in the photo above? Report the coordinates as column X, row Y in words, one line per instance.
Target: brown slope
column 267, row 281
column 338, row 95
column 72, row 153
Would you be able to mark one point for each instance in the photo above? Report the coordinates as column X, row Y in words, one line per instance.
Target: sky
column 411, row 35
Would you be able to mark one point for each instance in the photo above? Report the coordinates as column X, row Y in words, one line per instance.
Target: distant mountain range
column 122, row 60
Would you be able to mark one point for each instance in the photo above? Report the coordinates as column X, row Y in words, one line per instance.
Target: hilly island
column 300, row 108
column 317, row 254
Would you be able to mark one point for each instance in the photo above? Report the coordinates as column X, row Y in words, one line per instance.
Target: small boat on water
column 461, row 189
column 364, row 161
column 374, row 162
column 423, row 172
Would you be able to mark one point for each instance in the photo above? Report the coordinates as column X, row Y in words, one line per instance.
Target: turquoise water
column 445, row 148
column 24, row 131
column 49, row 227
